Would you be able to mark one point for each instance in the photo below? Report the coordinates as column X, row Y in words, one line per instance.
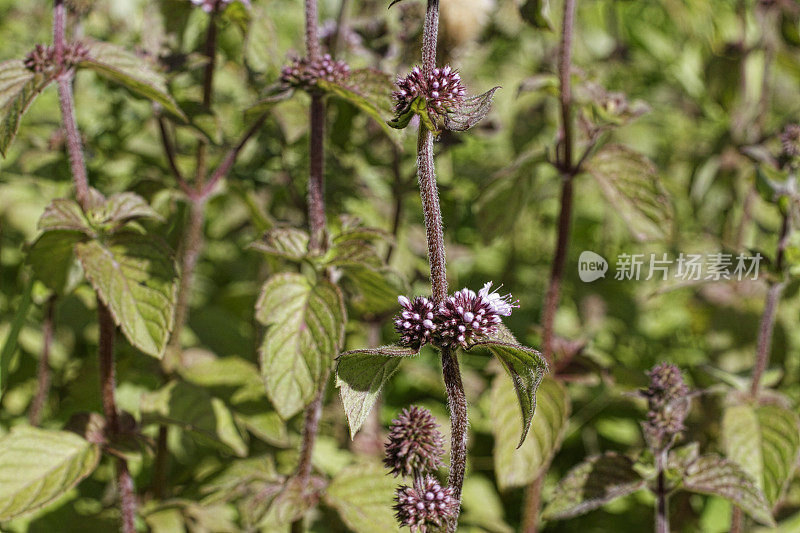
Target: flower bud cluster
column 459, row 320
column 668, row 402
column 303, row 73
column 442, row 90
column 43, row 58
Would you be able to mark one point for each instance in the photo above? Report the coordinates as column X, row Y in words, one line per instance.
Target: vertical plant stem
column 73, row 138
column 457, row 401
column 767, row 324
column 313, row 413
column 737, row 520
column 662, row 499
column 316, row 178
column 125, row 486
column 568, row 170
column 192, row 246
column 43, row 374
column 426, row 173
column 210, row 52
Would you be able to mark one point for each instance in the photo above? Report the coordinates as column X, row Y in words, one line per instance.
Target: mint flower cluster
column 43, row 58
column 441, row 89
column 668, row 403
column 415, row 448
column 303, row 73
column 459, row 320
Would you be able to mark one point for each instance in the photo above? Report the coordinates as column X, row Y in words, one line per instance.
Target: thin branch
column 171, row 153
column 426, row 173
column 43, row 374
column 230, row 158
column 459, row 422
column 73, row 139
column 662, row 498
column 316, row 181
column 192, row 246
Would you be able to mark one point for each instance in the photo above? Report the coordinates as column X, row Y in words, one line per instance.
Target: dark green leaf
column 363, row 497
column 18, row 88
column 534, row 12
column 287, row 243
column 592, row 484
column 52, row 258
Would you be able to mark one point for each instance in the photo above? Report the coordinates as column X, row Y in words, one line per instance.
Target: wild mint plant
column 456, row 323
column 661, row 468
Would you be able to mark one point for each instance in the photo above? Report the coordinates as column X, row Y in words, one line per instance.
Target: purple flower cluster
column 42, row 58
column 442, row 90
column 668, row 402
column 415, row 444
column 303, row 73
column 790, row 140
column 425, row 505
column 210, row 5
column 461, row 319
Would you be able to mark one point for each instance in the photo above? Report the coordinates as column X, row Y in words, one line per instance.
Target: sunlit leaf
column 287, row 243
column 519, row 466
column 362, row 495
column 65, row 214
column 135, row 276
column 18, row 89
column 305, row 330
column 38, row 466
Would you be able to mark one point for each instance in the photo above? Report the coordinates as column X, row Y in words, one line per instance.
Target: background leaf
column 18, row 89
column 37, row 466
column 134, row 275
column 305, row 330
column 592, row 484
column 363, row 495
column 631, row 184
column 765, row 441
column 518, row 466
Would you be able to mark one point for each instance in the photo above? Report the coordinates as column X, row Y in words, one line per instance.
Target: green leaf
column 52, row 258
column 122, row 208
column 10, row 342
column 592, row 484
column 132, row 72
column 517, row 467
column 362, row 495
column 305, row 329
column 194, row 410
column 362, row 103
column 361, row 374
column 631, row 184
column 525, row 366
column 770, row 182
column 765, row 441
column 374, row 291
column 38, row 466
column 65, row 214
column 534, row 12
column 274, row 94
column 469, row 113
column 18, row 89
column 717, row 476
column 135, row 276
column 287, row 243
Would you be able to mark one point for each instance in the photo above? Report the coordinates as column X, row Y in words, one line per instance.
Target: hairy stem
column 737, row 520
column 767, row 324
column 73, row 138
column 43, row 374
column 107, row 388
column 313, row 413
column 457, row 401
column 192, row 246
column 662, row 512
column 426, row 173
column 430, row 33
column 533, row 500
column 316, row 179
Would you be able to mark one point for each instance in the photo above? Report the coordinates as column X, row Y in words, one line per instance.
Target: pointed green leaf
column 121, row 208
column 52, row 258
column 65, row 214
column 360, row 376
column 18, row 89
column 630, row 183
column 38, row 466
column 535, row 12
column 715, row 475
column 517, row 467
column 364, row 104
column 305, row 330
column 362, row 495
column 525, row 366
column 469, row 113
column 288, row 243
column 592, row 484
column 194, row 410
column 131, row 71
column 765, row 441
column 135, row 276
